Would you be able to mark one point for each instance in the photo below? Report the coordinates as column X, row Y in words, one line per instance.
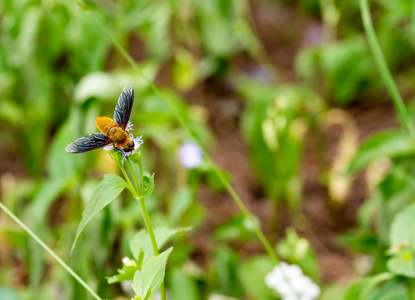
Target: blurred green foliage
column 59, row 70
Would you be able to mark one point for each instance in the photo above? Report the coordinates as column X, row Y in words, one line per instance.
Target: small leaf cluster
column 146, row 270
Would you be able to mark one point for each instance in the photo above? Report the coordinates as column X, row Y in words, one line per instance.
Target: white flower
column 190, row 155
column 129, row 126
column 128, row 262
column 291, row 283
column 138, row 141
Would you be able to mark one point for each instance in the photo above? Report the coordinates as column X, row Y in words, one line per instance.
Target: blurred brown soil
column 283, row 32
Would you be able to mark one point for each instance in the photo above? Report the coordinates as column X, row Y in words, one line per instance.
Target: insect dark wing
column 89, row 142
column 124, row 104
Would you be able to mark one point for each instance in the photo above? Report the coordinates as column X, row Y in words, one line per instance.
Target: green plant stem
column 140, row 167
column 130, row 185
column 410, row 290
column 384, row 70
column 246, row 212
column 47, row 249
column 411, row 245
column 152, row 238
column 330, row 19
column 140, row 200
column 139, row 190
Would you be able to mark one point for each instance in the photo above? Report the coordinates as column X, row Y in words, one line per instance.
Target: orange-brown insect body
column 116, row 133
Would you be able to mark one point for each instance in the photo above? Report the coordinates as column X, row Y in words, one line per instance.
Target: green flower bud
column 116, row 156
column 136, row 157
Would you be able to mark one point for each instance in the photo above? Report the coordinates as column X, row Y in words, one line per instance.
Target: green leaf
column 255, row 285
column 61, row 164
column 107, row 86
column 361, row 289
column 124, row 274
column 48, row 192
column 184, row 71
column 346, row 65
column 148, row 184
column 8, row 294
column 236, row 228
column 226, row 264
column 297, row 250
column 107, row 190
column 182, row 286
column 384, row 144
column 142, row 242
column 147, row 281
column 401, row 264
column 402, row 237
column 180, row 203
column 403, row 228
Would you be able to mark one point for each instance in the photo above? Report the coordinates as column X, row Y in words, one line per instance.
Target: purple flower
column 190, row 155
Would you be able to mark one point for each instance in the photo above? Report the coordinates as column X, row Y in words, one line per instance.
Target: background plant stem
column 186, row 128
column 384, row 71
column 410, row 290
column 47, row 249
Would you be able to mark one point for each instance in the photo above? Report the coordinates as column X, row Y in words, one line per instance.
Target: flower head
column 138, row 141
column 190, row 155
column 129, row 126
column 291, row 283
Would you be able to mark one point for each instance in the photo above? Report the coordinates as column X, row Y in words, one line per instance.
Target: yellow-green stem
column 410, row 289
column 47, row 249
column 130, row 185
column 384, row 70
column 139, row 190
column 140, row 200
column 246, row 212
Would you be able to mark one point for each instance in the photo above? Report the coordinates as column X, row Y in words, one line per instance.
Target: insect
column 112, row 131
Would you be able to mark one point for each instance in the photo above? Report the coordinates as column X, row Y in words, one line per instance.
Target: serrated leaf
column 403, row 227
column 384, row 144
column 147, row 281
column 142, row 242
column 107, row 190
